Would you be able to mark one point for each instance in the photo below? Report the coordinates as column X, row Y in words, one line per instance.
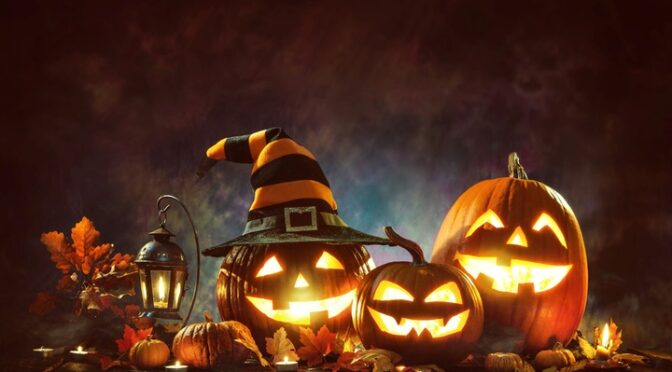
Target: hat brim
column 326, row 235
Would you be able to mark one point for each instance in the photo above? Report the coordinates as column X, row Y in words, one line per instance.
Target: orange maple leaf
column 131, row 337
column 83, row 236
column 61, row 251
column 315, row 346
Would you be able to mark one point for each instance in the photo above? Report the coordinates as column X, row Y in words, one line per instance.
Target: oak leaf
column 315, row 346
column 43, row 304
column 280, row 346
column 61, row 251
column 67, row 283
column 84, row 236
column 131, row 337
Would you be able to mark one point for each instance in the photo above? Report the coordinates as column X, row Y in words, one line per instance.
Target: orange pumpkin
column 522, row 244
column 149, row 353
column 211, row 344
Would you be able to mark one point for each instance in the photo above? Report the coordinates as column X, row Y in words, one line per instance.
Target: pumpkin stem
column 516, row 170
column 412, row 247
column 207, row 315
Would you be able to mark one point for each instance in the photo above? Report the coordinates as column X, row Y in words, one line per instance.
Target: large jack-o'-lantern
column 428, row 313
column 297, row 262
column 521, row 243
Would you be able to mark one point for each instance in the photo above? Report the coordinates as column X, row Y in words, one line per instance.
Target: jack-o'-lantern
column 428, row 313
column 297, row 263
column 521, row 243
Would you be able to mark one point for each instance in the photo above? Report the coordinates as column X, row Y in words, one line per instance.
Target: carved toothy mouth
column 436, row 327
column 299, row 311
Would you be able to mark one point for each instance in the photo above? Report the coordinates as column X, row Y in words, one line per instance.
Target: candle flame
column 80, row 349
column 286, row 359
column 162, row 289
column 177, row 363
column 605, row 335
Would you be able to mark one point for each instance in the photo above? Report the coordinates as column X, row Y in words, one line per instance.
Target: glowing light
column 272, row 266
column 436, row 327
column 300, row 282
column 162, row 289
column 178, row 291
column 328, row 261
column 547, row 221
column 448, row 292
column 388, row 291
column 80, row 349
column 605, row 336
column 285, row 359
column 518, row 238
column 299, row 311
column 507, row 278
column 487, row 217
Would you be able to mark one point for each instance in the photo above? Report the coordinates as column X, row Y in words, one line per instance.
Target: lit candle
column 177, row 367
column 602, row 351
column 287, row 365
column 79, row 354
column 45, row 352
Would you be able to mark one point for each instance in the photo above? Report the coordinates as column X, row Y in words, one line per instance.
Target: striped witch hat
column 293, row 202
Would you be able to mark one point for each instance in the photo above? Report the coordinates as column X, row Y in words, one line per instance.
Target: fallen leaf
column 131, row 336
column 315, row 346
column 382, row 360
column 344, row 363
column 630, row 358
column 43, row 304
column 245, row 338
column 280, row 346
column 616, row 336
column 61, row 251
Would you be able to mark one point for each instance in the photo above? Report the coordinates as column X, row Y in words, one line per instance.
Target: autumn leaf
column 67, row 283
column 100, row 251
column 43, row 304
column 84, row 236
column 280, row 346
column 381, row 360
column 61, row 251
column 344, row 363
column 615, row 335
column 245, row 338
column 315, row 346
column 131, row 337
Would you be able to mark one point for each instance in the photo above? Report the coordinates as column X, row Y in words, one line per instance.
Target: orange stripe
column 278, row 149
column 216, row 151
column 283, row 192
column 257, row 141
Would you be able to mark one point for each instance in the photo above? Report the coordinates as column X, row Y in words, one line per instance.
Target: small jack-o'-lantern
column 428, row 313
column 521, row 243
column 297, row 263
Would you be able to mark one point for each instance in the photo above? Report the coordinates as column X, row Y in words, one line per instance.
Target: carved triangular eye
column 271, row 266
column 448, row 292
column 389, row 291
column 547, row 221
column 489, row 217
column 328, row 261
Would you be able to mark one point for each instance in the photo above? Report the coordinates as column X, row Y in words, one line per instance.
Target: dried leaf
column 580, row 347
column 280, row 346
column 245, row 338
column 67, row 283
column 84, row 236
column 382, row 360
column 117, row 280
column 630, row 358
column 131, row 336
column 344, row 363
column 615, row 335
column 315, row 346
column 61, row 251
column 100, row 251
column 43, row 304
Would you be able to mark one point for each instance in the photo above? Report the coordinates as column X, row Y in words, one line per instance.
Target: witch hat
column 293, row 202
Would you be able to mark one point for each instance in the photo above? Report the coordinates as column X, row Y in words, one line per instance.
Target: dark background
column 107, row 106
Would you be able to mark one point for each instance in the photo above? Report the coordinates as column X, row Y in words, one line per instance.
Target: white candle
column 44, row 351
column 79, row 354
column 177, row 367
column 287, row 365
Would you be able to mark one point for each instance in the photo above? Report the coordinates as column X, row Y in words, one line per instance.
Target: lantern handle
column 412, row 247
column 162, row 220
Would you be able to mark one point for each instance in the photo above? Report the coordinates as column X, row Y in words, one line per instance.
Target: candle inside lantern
column 45, row 352
column 79, row 353
column 287, row 365
column 177, row 367
column 603, row 351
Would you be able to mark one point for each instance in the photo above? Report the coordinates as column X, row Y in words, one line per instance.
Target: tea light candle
column 177, row 367
column 44, row 351
column 79, row 354
column 287, row 365
column 602, row 353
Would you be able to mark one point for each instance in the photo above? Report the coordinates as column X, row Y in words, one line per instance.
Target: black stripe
column 288, row 168
column 237, row 149
column 273, row 134
column 278, row 209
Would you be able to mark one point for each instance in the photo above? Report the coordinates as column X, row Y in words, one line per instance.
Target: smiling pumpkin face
column 291, row 285
column 521, row 243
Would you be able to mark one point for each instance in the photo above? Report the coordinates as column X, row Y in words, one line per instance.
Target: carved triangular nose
column 300, row 282
column 518, row 238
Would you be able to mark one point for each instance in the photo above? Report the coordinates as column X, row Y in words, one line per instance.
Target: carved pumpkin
column 521, row 243
column 426, row 312
column 301, row 284
column 149, row 353
column 211, row 344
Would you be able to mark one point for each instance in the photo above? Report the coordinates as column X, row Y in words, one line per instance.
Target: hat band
column 289, row 217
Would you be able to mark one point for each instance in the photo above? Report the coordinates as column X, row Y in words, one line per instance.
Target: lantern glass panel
column 179, row 289
column 160, row 288
column 143, row 288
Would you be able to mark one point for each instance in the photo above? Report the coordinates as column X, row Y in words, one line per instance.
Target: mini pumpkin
column 557, row 357
column 428, row 313
column 506, row 362
column 149, row 353
column 521, row 243
column 211, row 344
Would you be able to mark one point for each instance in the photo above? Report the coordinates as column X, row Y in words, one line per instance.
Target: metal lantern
column 163, row 269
